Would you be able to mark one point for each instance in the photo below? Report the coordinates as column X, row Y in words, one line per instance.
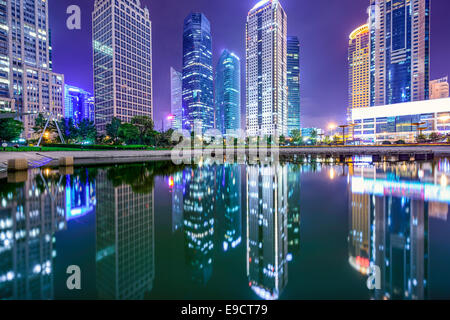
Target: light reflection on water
column 224, row 231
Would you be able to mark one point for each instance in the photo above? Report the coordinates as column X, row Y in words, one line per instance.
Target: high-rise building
column 198, row 96
column 267, row 234
column 176, row 109
column 78, row 104
column 439, row 88
column 293, row 81
column 358, row 70
column 266, row 76
column 228, row 92
column 27, row 83
column 399, row 51
column 122, row 44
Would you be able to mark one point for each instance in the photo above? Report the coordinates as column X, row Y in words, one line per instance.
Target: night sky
column 322, row 26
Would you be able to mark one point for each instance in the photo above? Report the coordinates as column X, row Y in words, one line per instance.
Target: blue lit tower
column 228, row 92
column 198, row 97
column 293, row 81
column 399, row 51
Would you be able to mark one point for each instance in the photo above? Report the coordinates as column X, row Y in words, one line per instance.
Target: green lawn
column 78, row 148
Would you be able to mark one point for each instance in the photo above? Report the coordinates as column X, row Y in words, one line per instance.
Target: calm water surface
column 290, row 231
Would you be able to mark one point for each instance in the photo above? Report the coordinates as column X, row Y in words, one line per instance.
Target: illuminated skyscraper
column 267, row 234
column 198, row 86
column 293, row 80
column 266, row 76
column 439, row 88
column 176, row 109
column 27, row 83
column 399, row 51
column 358, row 70
column 228, row 93
column 122, row 43
column 78, row 104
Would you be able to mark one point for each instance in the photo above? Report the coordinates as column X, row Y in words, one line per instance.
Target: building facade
column 358, row 70
column 198, row 85
column 228, row 93
column 385, row 123
column 293, row 81
column 122, row 46
column 78, row 104
column 266, row 65
column 439, row 88
column 27, row 83
column 176, row 109
column 399, row 51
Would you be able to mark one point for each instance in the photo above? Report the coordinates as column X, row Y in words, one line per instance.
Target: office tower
column 228, row 92
column 198, row 97
column 293, row 81
column 176, row 108
column 358, row 70
column 78, row 104
column 32, row 212
column 267, row 235
column 266, row 76
column 125, row 257
column 439, row 88
column 399, row 51
column 198, row 210
column 27, row 83
column 122, row 44
column 293, row 214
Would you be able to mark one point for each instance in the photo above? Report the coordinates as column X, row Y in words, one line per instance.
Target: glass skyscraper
column 176, row 79
column 228, row 92
column 122, row 44
column 78, row 104
column 198, row 96
column 293, row 80
column 266, row 76
column 400, row 51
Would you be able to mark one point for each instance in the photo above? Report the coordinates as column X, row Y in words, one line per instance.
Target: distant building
column 266, row 76
column 439, row 88
column 122, row 43
column 308, row 132
column 400, row 51
column 358, row 70
column 228, row 93
column 293, row 82
column 78, row 104
column 385, row 123
column 198, row 85
column 176, row 109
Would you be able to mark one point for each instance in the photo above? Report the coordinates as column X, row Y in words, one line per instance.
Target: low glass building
column 401, row 121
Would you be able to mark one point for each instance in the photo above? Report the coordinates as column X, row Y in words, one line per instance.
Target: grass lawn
column 92, row 148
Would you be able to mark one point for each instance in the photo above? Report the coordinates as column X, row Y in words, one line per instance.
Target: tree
column 314, row 136
column 145, row 127
column 282, row 140
column 10, row 129
column 434, row 136
column 68, row 129
column 86, row 131
column 129, row 133
column 112, row 129
column 297, row 136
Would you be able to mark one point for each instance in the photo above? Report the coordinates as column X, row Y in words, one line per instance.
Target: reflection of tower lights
column 444, row 180
column 171, row 183
column 332, row 174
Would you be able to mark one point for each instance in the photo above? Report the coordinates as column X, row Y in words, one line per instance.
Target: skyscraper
column 198, row 97
column 266, row 76
column 293, row 80
column 27, row 83
column 176, row 82
column 78, row 104
column 399, row 51
column 358, row 70
column 228, row 92
column 122, row 44
column 439, row 88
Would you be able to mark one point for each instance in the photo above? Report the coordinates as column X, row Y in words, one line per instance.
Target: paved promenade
column 37, row 159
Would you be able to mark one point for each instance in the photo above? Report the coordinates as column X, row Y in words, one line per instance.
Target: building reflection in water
column 198, row 220
column 293, row 215
column 267, row 234
column 389, row 211
column 31, row 211
column 125, row 235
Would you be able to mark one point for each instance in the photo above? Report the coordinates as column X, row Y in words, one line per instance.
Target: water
column 291, row 231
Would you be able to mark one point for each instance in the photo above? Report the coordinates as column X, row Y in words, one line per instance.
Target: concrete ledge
column 17, row 176
column 17, row 165
column 66, row 162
